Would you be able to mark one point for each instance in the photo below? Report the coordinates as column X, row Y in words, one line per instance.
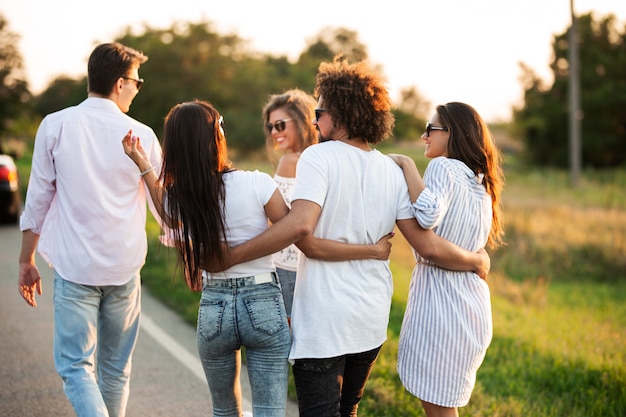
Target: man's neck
column 357, row 143
column 343, row 136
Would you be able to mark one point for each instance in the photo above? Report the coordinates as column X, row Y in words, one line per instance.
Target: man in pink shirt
column 85, row 213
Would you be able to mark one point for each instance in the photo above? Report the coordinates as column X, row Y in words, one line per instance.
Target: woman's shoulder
column 252, row 175
column 440, row 161
column 443, row 162
column 287, row 165
column 449, row 167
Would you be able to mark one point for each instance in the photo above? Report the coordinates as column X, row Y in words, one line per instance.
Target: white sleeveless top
column 287, row 258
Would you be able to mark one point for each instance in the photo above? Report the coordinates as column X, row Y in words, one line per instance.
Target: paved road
column 167, row 378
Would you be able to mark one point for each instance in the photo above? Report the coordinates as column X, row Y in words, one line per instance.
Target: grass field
column 558, row 294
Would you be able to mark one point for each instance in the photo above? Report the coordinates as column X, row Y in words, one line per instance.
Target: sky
column 449, row 50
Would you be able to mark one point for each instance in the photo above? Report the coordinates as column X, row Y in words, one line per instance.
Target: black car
column 10, row 197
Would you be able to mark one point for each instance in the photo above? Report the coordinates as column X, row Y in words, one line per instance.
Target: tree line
column 542, row 121
column 192, row 60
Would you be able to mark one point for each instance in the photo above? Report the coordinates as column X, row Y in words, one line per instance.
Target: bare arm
column 443, row 253
column 331, row 250
column 29, row 279
column 297, row 225
column 411, row 175
column 325, row 249
column 300, row 222
column 136, row 152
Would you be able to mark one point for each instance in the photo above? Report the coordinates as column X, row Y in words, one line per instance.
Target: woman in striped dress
column 447, row 325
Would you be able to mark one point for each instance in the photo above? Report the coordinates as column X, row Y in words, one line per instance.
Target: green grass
column 558, row 296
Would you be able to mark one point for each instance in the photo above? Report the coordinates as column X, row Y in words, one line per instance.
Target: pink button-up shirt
column 85, row 197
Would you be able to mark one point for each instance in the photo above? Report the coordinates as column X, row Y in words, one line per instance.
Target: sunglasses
column 430, row 128
column 318, row 113
column 279, row 125
column 220, row 121
column 138, row 82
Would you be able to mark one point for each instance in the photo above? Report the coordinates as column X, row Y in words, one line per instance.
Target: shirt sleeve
column 311, row 178
column 265, row 186
column 42, row 182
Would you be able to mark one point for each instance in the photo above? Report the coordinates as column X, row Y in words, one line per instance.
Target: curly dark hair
column 356, row 98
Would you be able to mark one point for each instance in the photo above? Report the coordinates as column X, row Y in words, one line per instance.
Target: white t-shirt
column 247, row 193
column 343, row 307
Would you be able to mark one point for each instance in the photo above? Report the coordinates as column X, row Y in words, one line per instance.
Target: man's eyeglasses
column 138, row 82
column 430, row 128
column 220, row 121
column 279, row 125
column 318, row 113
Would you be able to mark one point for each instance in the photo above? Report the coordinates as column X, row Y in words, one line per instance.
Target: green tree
column 323, row 47
column 192, row 61
column 411, row 114
column 63, row 91
column 14, row 93
column 543, row 121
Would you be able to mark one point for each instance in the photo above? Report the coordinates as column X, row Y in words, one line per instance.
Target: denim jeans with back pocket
column 243, row 312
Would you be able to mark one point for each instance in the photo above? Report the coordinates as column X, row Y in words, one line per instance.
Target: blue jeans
column 287, row 286
column 332, row 387
column 95, row 332
column 245, row 312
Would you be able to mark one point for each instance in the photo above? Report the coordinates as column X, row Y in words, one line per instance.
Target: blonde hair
column 300, row 107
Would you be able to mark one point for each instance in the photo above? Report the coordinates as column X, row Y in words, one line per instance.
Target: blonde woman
column 289, row 130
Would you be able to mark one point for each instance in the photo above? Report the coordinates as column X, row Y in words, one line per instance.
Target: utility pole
column 575, row 112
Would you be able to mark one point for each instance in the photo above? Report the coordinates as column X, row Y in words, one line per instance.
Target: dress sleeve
column 433, row 202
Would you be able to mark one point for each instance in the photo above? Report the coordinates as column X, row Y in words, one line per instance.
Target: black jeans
column 332, row 387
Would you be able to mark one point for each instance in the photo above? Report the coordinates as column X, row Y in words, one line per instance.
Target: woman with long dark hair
column 289, row 130
column 447, row 325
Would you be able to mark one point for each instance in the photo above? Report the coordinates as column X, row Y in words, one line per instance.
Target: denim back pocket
column 210, row 315
column 267, row 313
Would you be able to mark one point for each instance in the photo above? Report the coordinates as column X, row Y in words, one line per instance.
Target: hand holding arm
column 325, row 249
column 484, row 264
column 300, row 222
column 136, row 152
column 332, row 250
column 443, row 253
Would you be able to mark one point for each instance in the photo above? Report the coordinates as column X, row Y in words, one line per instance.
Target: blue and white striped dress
column 447, row 325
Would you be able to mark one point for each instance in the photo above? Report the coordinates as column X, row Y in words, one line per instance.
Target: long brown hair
column 472, row 143
column 195, row 157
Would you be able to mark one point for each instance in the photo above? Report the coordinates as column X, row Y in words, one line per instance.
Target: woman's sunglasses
column 430, row 128
column 279, row 125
